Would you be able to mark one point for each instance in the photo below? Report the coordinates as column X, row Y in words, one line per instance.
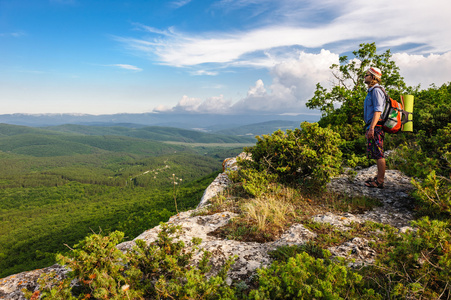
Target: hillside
column 56, row 187
column 81, row 139
column 184, row 121
column 155, row 133
column 259, row 128
column 44, row 143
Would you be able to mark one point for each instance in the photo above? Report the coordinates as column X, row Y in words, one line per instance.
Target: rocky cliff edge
column 395, row 210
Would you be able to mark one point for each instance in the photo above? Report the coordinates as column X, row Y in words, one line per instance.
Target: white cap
column 376, row 72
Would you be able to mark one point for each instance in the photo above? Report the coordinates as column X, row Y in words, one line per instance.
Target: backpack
column 394, row 116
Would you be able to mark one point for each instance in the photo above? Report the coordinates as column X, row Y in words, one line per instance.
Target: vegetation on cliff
column 284, row 184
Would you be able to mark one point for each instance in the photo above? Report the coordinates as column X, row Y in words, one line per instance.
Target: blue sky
column 199, row 56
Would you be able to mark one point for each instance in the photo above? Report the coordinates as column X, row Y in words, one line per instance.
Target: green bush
column 162, row 270
column 309, row 154
column 431, row 167
column 257, row 183
column 412, row 160
column 432, row 110
column 168, row 272
column 283, row 253
column 99, row 268
column 417, row 264
column 304, row 277
column 434, row 194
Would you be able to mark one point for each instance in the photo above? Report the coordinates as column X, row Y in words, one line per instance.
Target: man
column 373, row 107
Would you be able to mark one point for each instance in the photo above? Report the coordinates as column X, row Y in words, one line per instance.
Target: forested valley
column 58, row 185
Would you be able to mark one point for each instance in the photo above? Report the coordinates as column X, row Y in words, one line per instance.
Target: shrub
column 257, row 183
column 412, row 160
column 433, row 108
column 309, row 153
column 435, row 194
column 283, row 253
column 162, row 270
column 353, row 160
column 417, row 264
column 168, row 272
column 426, row 154
column 304, row 277
column 98, row 266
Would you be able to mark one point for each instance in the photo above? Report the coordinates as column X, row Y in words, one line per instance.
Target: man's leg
column 375, row 150
column 380, row 170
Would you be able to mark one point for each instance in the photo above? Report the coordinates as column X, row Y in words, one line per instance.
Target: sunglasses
column 367, row 75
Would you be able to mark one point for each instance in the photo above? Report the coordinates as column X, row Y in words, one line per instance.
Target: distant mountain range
column 259, row 128
column 221, row 124
column 68, row 140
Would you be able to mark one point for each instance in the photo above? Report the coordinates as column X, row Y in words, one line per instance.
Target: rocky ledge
column 395, row 210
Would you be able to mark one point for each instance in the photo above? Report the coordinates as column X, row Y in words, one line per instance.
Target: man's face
column 368, row 77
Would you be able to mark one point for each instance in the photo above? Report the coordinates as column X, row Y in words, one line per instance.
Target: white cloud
column 293, row 83
column 274, row 45
column 188, row 104
column 162, row 108
column 179, row 3
column 389, row 24
column 150, row 29
column 424, row 70
column 204, row 72
column 215, row 105
column 212, row 105
column 13, row 34
column 127, row 67
column 258, row 90
column 185, row 51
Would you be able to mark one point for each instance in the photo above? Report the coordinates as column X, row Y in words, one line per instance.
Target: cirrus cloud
column 390, row 24
column 127, row 67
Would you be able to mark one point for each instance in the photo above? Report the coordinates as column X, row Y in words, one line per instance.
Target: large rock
column 250, row 256
column 11, row 287
column 222, row 180
column 397, row 203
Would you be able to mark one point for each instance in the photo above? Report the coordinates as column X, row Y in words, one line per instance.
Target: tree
column 342, row 104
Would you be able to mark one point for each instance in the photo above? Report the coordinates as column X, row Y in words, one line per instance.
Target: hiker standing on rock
column 372, row 109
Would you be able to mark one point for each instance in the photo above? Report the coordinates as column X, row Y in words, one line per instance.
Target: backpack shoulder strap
column 386, row 105
column 383, row 90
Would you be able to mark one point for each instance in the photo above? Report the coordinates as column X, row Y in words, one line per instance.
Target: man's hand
column 370, row 134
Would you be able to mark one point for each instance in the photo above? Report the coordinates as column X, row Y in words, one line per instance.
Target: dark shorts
column 375, row 146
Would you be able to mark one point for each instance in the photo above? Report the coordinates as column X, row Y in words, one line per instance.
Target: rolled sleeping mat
column 408, row 107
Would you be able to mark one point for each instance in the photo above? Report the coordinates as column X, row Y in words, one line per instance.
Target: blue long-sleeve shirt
column 374, row 101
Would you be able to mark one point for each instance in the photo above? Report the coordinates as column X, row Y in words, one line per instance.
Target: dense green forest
column 56, row 186
column 155, row 133
column 259, row 128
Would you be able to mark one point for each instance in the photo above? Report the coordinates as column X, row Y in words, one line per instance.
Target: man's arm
column 376, row 117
